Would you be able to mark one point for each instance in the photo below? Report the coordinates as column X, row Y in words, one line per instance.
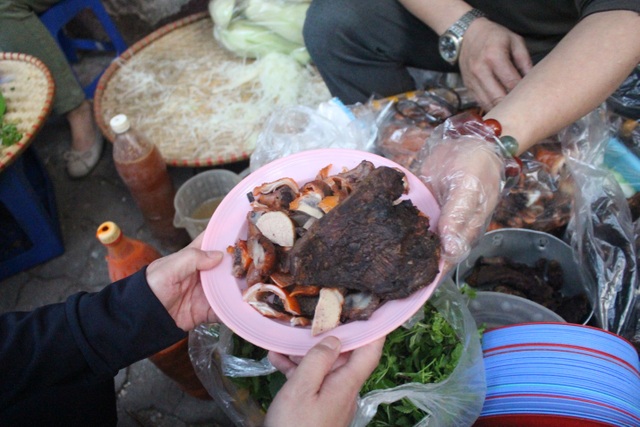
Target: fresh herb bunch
column 262, row 388
column 426, row 353
column 9, row 134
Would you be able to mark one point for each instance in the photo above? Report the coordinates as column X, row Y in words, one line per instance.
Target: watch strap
column 461, row 25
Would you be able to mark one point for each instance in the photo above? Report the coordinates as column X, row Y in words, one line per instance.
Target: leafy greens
column 9, row 134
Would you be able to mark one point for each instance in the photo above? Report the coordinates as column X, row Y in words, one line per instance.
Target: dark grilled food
column 368, row 243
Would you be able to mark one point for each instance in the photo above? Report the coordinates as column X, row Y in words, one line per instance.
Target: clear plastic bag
column 543, row 197
column 300, row 128
column 254, row 28
column 456, row 401
column 210, row 350
column 407, row 121
column 601, row 228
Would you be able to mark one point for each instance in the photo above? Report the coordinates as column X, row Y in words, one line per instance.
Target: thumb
column 315, row 366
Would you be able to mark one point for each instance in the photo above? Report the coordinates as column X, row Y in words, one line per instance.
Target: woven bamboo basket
column 164, row 82
column 28, row 89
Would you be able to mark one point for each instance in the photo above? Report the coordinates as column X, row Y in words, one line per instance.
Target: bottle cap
column 108, row 233
column 120, row 123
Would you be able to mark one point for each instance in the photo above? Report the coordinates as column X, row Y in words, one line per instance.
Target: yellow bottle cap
column 108, row 232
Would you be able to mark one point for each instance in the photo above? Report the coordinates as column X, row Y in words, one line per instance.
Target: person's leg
column 362, row 48
column 22, row 31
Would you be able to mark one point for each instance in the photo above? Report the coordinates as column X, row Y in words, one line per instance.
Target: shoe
column 80, row 163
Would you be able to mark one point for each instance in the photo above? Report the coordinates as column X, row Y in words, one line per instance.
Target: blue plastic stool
column 28, row 216
column 56, row 17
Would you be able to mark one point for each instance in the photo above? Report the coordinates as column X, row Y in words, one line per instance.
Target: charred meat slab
column 369, row 242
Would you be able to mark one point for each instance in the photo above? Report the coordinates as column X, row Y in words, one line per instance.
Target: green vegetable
column 221, row 12
column 9, row 134
column 3, row 105
column 282, row 17
column 255, row 41
column 426, row 353
column 262, row 388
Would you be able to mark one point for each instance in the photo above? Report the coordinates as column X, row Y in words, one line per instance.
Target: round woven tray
column 177, row 66
column 28, row 89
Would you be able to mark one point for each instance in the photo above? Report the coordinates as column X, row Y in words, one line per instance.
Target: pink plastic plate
column 228, row 224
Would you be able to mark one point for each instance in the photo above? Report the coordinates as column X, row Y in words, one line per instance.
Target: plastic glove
column 466, row 175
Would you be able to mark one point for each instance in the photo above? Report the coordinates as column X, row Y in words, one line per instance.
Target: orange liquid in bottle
column 144, row 171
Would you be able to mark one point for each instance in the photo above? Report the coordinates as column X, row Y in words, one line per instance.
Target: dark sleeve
column 91, row 335
column 587, row 7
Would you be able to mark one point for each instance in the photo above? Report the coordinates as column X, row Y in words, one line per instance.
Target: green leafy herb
column 9, row 134
column 262, row 388
column 426, row 353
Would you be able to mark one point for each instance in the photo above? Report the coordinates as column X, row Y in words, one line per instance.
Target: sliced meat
column 368, row 243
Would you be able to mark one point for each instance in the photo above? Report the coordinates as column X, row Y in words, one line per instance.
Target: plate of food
column 329, row 241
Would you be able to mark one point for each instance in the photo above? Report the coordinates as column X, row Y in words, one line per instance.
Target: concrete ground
column 146, row 397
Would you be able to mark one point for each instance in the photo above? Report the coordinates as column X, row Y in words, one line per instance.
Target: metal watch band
column 460, row 26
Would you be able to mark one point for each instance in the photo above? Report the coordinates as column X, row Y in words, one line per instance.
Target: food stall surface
column 146, row 397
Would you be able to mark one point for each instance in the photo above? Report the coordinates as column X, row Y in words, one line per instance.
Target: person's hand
column 175, row 280
column 465, row 175
column 492, row 61
column 318, row 392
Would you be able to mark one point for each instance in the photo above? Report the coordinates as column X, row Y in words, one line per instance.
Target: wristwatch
column 450, row 42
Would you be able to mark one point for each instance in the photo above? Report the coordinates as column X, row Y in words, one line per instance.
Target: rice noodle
column 194, row 107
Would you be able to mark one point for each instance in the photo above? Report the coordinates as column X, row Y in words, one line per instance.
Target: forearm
column 437, row 14
column 91, row 335
column 577, row 76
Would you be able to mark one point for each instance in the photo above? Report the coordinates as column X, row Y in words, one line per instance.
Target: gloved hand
column 463, row 167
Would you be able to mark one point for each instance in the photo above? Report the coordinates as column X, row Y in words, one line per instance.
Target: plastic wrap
column 408, row 120
column 300, row 128
column 466, row 172
column 601, row 228
column 210, row 350
column 455, row 401
column 626, row 99
column 543, row 197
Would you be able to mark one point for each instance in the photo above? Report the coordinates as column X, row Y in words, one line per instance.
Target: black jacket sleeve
column 89, row 337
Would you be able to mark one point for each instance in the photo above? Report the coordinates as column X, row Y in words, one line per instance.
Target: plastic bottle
column 125, row 257
column 144, row 171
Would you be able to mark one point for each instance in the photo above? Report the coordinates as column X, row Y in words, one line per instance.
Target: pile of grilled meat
column 334, row 249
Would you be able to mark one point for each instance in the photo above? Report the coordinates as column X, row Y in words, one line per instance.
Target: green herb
column 426, row 353
column 262, row 388
column 9, row 134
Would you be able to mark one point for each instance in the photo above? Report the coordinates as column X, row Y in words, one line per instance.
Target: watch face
column 448, row 46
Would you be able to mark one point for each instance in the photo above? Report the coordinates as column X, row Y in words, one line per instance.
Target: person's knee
column 330, row 25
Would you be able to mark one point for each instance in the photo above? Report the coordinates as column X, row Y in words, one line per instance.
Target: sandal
column 80, row 163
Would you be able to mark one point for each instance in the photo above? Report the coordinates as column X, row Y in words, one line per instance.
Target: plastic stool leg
column 22, row 201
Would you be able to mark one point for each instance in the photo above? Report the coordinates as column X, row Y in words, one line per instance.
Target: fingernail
column 332, row 342
column 217, row 255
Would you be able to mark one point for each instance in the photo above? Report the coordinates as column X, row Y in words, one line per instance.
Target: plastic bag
column 456, row 401
column 626, row 99
column 210, row 348
column 543, row 197
column 409, row 119
column 254, row 28
column 601, row 229
column 300, row 128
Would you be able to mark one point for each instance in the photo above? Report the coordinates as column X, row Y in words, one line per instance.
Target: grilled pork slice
column 368, row 243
